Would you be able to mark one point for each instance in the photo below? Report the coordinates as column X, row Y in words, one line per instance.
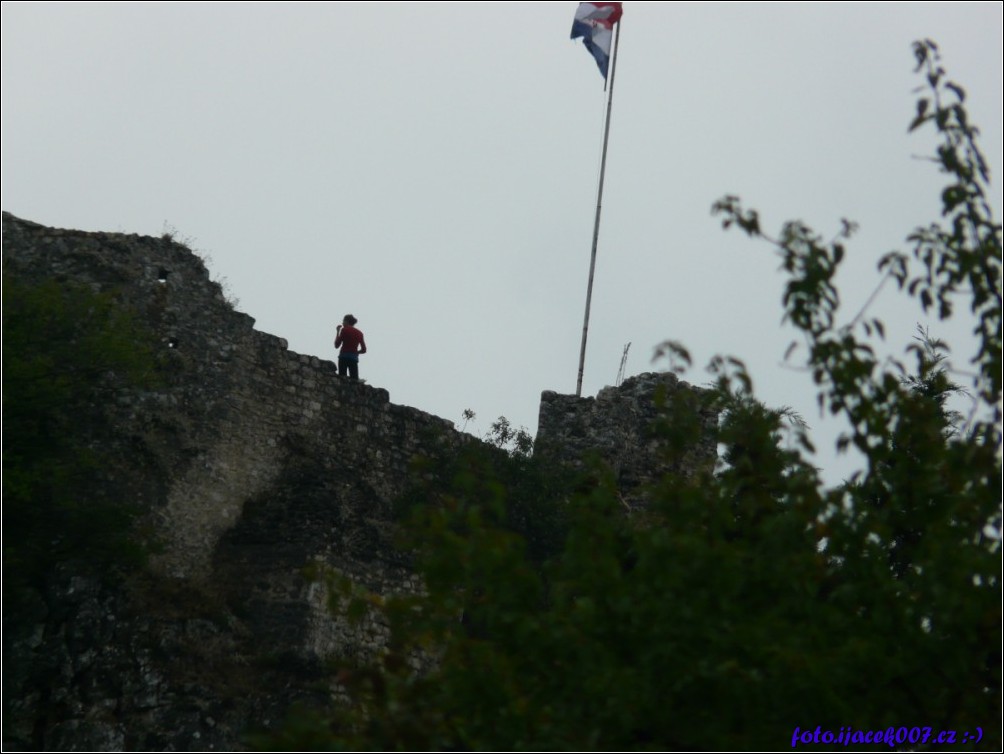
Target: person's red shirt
column 350, row 339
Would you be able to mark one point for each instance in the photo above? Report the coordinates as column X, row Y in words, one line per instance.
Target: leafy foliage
column 750, row 601
column 529, row 495
column 68, row 352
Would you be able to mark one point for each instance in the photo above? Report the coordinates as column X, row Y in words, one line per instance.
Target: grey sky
column 432, row 168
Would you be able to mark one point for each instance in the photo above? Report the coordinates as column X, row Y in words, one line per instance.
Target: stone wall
column 240, row 407
column 631, row 429
column 253, row 463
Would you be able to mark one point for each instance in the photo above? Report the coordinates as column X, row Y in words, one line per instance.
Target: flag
column 594, row 22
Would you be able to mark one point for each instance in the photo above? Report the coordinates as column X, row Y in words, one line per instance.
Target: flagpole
column 599, row 204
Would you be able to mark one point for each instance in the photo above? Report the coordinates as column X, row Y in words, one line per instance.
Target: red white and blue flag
column 594, row 22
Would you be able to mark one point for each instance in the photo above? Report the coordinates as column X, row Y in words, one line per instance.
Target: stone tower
column 627, row 427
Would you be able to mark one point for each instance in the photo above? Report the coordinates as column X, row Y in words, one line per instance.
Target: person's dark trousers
column 348, row 367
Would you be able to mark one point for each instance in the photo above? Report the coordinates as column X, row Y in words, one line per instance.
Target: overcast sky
column 432, row 169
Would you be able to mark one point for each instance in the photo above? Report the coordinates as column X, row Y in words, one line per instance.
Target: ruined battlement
column 251, row 462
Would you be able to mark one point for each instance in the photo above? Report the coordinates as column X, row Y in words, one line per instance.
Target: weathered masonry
column 252, row 462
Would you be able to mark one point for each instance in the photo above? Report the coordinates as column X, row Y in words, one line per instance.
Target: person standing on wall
column 352, row 343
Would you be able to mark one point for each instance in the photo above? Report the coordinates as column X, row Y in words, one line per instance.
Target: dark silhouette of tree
column 68, row 353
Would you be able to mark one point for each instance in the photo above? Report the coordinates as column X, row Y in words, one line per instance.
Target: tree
column 68, row 353
column 752, row 608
